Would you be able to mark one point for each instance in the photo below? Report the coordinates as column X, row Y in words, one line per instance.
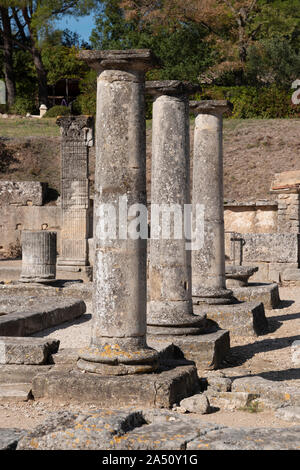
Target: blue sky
column 83, row 26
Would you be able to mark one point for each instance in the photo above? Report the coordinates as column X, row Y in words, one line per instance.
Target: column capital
column 131, row 59
column 211, row 107
column 77, row 128
column 170, row 88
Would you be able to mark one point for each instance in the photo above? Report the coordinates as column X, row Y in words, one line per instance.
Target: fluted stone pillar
column 170, row 309
column 77, row 137
column 38, row 256
column 118, row 344
column 208, row 262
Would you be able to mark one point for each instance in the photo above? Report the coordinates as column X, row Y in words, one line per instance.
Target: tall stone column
column 38, row 256
column 77, row 137
column 208, row 262
column 170, row 309
column 118, row 344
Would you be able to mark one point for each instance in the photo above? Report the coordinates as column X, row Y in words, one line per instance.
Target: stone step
column 15, row 392
column 26, row 350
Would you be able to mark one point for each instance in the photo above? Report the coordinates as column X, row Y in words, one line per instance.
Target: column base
column 115, row 359
column 173, row 318
column 212, row 296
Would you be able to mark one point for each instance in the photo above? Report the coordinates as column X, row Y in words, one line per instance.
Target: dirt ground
column 268, row 356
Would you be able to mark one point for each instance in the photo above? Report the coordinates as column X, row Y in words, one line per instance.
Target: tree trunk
column 42, row 76
column 7, row 57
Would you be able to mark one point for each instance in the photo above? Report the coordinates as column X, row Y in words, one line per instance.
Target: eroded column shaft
column 38, row 255
column 208, row 262
column 118, row 342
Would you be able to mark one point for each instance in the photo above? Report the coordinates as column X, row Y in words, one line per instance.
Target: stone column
column 38, row 256
column 118, row 344
column 77, row 137
column 170, row 309
column 208, row 263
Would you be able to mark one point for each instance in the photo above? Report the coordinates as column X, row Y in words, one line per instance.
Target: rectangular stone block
column 20, row 350
column 159, row 390
column 271, row 247
column 22, row 193
column 15, row 392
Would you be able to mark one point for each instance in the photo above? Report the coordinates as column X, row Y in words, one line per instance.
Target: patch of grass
column 28, row 127
column 252, row 407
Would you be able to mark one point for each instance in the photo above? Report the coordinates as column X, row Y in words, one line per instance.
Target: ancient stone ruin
column 155, row 360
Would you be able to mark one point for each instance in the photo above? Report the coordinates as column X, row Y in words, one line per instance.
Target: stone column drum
column 208, row 262
column 170, row 307
column 38, row 256
column 77, row 137
column 118, row 344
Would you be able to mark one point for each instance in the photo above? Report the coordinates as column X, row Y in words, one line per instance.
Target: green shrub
column 57, row 111
column 23, row 105
column 267, row 102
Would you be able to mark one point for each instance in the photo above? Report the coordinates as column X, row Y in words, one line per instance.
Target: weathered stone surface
column 241, row 319
column 229, row 401
column 198, row 403
column 26, row 315
column 59, row 288
column 208, row 260
column 289, row 413
column 22, row 193
column 12, row 373
column 118, row 343
column 271, row 247
column 66, row 356
column 286, row 180
column 170, row 87
column 161, row 389
column 148, row 430
column 207, row 350
column 291, row 275
column 238, row 275
column 9, row 438
column 248, row 439
column 271, row 393
column 15, row 392
column 38, row 255
column 295, row 349
column 268, row 294
column 26, row 350
column 219, row 384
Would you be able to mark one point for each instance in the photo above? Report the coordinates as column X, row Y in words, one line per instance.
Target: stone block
column 289, row 413
column 10, row 437
column 268, row 294
column 229, row 401
column 241, row 319
column 291, row 274
column 207, row 350
column 219, row 384
column 198, row 403
column 271, row 394
column 14, row 350
column 15, row 392
column 161, row 389
column 271, row 247
column 26, row 315
column 22, row 193
column 13, row 373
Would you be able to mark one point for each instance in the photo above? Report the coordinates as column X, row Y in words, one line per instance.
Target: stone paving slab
column 241, row 319
column 159, row 389
column 268, row 294
column 24, row 350
column 27, row 315
column 9, row 438
column 149, row 430
column 58, row 288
